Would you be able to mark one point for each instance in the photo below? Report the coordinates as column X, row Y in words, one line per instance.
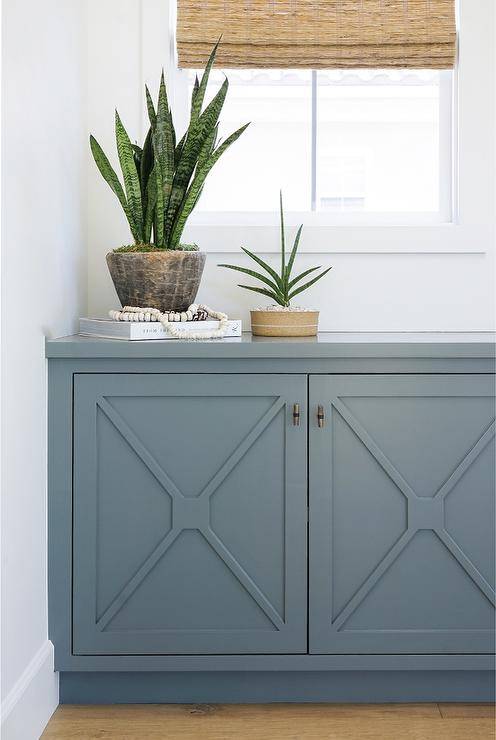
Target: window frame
column 319, row 217
column 469, row 224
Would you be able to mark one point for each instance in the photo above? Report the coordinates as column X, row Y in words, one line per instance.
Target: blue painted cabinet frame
column 402, row 518
column 345, row 652
column 190, row 514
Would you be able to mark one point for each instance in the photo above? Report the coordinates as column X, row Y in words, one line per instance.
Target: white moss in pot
column 281, row 319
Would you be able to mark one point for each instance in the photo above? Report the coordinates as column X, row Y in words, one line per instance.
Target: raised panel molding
column 190, row 513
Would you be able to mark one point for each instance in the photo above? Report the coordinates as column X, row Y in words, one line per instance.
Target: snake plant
column 164, row 179
column 280, row 286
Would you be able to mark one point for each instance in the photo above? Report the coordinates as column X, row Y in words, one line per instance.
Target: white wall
column 44, row 260
column 43, row 291
column 382, row 277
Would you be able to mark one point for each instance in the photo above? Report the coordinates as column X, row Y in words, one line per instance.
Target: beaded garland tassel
column 169, row 319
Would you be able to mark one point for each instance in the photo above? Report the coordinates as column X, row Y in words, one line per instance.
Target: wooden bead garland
column 194, row 313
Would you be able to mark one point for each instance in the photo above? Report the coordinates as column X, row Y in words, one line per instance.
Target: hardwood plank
column 259, row 722
column 289, row 711
column 467, row 710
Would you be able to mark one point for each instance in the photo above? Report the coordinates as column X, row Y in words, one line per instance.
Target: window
column 354, row 142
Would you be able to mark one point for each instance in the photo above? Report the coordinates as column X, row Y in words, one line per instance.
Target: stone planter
column 284, row 323
column 167, row 280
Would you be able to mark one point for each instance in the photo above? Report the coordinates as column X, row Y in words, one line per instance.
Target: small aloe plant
column 281, row 287
column 164, row 179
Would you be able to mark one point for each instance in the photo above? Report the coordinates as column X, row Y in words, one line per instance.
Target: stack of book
column 137, row 330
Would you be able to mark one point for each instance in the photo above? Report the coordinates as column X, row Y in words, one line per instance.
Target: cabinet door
column 402, row 514
column 190, row 509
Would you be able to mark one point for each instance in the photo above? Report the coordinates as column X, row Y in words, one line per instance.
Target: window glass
column 334, row 141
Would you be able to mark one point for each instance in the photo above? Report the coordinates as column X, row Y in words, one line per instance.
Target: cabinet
column 189, row 514
column 278, row 520
column 402, row 514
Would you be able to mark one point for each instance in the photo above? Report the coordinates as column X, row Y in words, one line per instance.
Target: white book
column 139, row 330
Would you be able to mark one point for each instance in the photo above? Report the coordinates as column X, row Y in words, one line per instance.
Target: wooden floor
column 274, row 722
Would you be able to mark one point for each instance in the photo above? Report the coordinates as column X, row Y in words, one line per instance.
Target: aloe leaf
column 307, row 285
column 266, row 267
column 268, row 293
column 294, row 251
column 301, row 276
column 254, row 274
column 283, row 241
column 151, row 108
column 130, row 174
column 199, row 95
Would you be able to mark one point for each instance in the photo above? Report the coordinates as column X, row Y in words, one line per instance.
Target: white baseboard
column 32, row 700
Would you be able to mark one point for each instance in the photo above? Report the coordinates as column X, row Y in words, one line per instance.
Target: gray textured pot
column 163, row 280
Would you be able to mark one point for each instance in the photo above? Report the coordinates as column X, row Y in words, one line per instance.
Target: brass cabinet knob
column 320, row 416
column 296, row 414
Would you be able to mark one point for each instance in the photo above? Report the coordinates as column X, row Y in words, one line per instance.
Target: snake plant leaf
column 159, row 204
column 256, row 275
column 207, row 148
column 198, row 197
column 173, row 132
column 211, row 114
column 301, row 276
column 199, row 94
column 179, row 149
column 195, row 139
column 151, row 108
column 164, row 141
column 151, row 202
column 278, row 281
column 269, row 293
column 146, row 164
column 163, row 181
column 130, row 174
column 196, row 85
column 307, row 285
column 215, row 154
column 192, row 194
column 137, row 154
column 197, row 135
column 294, row 251
column 108, row 173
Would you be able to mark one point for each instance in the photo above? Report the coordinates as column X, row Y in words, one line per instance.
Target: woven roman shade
column 318, row 34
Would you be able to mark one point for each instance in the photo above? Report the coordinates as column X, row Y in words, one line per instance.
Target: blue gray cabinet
column 402, row 514
column 213, row 537
column 189, row 514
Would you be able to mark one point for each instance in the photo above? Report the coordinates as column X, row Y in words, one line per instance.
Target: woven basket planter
column 167, row 280
column 284, row 323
